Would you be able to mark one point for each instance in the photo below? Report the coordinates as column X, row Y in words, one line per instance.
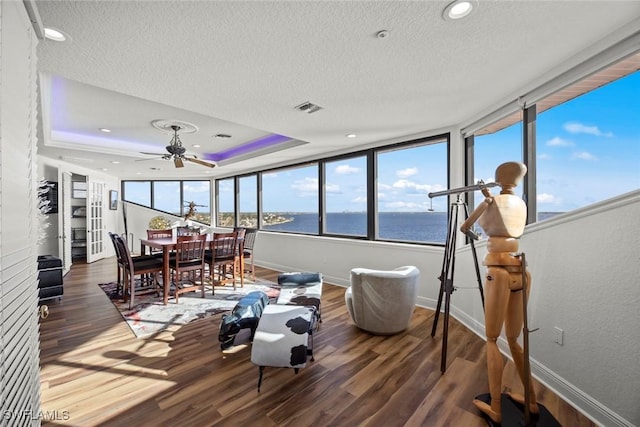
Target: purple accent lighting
column 258, row 144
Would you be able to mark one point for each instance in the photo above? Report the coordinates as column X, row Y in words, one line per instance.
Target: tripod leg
column 445, row 333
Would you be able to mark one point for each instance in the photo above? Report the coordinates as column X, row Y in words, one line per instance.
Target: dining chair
column 158, row 234
column 239, row 264
column 247, row 253
column 190, row 258
column 147, row 267
column 187, row 231
column 221, row 259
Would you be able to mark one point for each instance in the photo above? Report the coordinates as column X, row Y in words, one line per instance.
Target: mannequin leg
column 496, row 298
column 513, row 326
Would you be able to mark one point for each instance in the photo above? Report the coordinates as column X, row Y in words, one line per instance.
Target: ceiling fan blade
column 201, row 162
column 178, row 162
column 153, row 154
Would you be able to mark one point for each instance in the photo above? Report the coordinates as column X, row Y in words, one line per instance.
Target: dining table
column 168, row 244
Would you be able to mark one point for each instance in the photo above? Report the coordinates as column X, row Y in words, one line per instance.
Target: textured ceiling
column 240, row 67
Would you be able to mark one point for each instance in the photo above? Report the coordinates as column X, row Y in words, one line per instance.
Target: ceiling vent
column 307, row 107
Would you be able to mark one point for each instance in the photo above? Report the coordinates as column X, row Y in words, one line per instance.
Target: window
column 588, row 148
column 226, row 204
column 248, row 196
column 405, row 175
column 166, row 197
column 290, row 199
column 198, row 192
column 172, row 197
column 138, row 192
column 346, row 196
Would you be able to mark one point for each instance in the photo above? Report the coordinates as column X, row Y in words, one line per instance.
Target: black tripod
column 448, row 270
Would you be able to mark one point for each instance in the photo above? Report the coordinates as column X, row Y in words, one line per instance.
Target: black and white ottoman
column 301, row 289
column 283, row 338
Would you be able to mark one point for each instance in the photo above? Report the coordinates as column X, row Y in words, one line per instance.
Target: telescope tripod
column 447, row 274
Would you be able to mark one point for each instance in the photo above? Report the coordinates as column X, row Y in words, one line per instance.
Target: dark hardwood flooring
column 95, row 372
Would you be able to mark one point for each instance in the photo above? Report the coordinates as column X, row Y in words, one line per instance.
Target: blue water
column 404, row 226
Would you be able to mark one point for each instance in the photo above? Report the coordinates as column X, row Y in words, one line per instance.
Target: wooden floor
column 94, row 371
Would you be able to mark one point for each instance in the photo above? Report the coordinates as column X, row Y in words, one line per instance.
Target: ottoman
column 304, row 289
column 283, row 338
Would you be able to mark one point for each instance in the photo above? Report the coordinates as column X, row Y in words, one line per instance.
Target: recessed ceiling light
column 459, row 9
column 196, row 145
column 105, row 130
column 55, row 35
column 115, row 162
column 105, row 169
column 351, row 135
column 138, row 173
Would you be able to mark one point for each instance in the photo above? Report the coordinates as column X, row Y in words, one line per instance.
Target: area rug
column 149, row 315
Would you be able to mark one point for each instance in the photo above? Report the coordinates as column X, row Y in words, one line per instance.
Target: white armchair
column 382, row 302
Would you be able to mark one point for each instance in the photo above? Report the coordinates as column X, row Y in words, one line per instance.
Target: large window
column 172, row 197
column 405, row 176
column 226, row 203
column 290, row 199
column 248, row 197
column 346, row 196
column 589, row 147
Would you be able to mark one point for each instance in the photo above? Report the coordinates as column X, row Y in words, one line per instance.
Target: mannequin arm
column 478, row 211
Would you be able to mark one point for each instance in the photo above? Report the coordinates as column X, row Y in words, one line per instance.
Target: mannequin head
column 509, row 175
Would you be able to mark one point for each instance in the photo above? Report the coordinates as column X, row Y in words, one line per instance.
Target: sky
column 588, row 150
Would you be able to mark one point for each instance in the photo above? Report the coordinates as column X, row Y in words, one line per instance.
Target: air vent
column 307, row 107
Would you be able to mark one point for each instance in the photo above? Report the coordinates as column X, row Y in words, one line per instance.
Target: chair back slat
column 125, row 254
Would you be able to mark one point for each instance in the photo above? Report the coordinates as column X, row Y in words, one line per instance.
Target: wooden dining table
column 168, row 245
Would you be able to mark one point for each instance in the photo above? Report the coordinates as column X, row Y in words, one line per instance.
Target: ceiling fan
column 176, row 151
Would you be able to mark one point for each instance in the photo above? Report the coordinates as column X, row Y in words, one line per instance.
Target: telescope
column 479, row 186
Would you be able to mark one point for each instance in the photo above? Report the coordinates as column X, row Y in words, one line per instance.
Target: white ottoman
column 283, row 338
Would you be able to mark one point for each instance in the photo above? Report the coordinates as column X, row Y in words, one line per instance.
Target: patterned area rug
column 149, row 315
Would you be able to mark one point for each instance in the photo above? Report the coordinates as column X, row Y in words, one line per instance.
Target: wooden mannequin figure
column 503, row 218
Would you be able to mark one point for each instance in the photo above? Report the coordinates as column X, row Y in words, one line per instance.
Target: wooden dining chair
column 239, row 264
column 158, row 234
column 221, row 259
column 187, row 231
column 247, row 252
column 147, row 267
column 189, row 258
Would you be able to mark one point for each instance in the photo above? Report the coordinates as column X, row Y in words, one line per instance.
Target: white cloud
column 576, row 127
column 198, row 188
column 306, row 187
column 332, row 188
column 404, row 184
column 559, row 142
column 406, row 173
column 546, row 198
column 361, row 199
column 346, row 170
column 583, row 155
column 270, row 175
column 382, row 186
column 544, row 156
